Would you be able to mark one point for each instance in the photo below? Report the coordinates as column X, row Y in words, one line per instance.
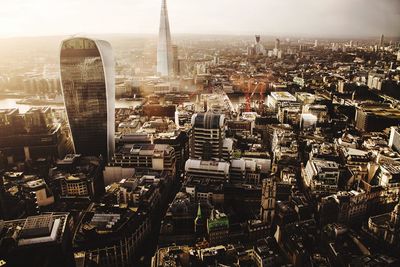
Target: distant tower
column 382, row 41
column 268, row 199
column 258, row 47
column 88, row 86
column 277, row 43
column 164, row 49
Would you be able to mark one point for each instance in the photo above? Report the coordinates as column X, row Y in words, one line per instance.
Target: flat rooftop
column 283, row 96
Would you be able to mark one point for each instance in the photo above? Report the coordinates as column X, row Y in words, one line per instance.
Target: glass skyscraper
column 88, row 85
column 164, row 47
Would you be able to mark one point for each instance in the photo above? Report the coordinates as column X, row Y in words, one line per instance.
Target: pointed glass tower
column 164, row 48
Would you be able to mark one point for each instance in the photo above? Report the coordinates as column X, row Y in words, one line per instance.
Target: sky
column 357, row 18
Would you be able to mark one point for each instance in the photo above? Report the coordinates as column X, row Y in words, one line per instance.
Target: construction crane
column 247, row 93
column 249, row 97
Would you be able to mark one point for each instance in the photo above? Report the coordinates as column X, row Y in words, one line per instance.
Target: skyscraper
column 277, row 43
column 258, row 47
column 164, row 48
column 207, row 139
column 88, row 85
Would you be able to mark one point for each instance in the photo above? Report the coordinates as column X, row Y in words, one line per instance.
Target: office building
column 181, row 222
column 268, row 200
column 394, row 139
column 140, row 157
column 280, row 99
column 37, row 241
column 78, row 178
column 218, row 228
column 88, row 85
column 31, row 135
column 322, row 176
column 207, row 140
column 386, row 227
column 207, row 170
column 376, row 117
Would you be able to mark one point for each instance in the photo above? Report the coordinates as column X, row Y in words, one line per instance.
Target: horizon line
column 248, row 34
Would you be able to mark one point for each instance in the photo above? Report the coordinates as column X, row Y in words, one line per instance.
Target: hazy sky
column 276, row 17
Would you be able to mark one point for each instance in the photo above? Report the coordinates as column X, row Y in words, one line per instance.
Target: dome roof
column 397, row 209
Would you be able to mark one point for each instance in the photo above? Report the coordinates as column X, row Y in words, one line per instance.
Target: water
column 11, row 103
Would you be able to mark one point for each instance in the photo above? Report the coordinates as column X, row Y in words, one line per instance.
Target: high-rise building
column 165, row 62
column 207, row 140
column 277, row 43
column 382, row 41
column 258, row 47
column 88, row 85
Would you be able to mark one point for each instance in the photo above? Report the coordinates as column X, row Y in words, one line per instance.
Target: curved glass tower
column 88, row 86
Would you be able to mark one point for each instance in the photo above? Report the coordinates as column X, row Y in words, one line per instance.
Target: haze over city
column 183, row 133
column 338, row 18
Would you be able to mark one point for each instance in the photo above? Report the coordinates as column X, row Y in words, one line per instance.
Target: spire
column 164, row 48
column 199, row 211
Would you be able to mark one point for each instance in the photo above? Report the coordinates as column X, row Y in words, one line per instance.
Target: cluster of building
column 270, row 154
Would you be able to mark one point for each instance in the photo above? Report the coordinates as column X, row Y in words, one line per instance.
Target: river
column 11, row 103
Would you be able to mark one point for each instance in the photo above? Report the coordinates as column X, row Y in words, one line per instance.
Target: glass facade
column 164, row 47
column 87, row 78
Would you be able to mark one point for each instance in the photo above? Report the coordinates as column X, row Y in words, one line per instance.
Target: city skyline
column 227, row 146
column 360, row 18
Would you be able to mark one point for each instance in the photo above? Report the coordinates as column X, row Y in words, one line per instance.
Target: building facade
column 207, row 140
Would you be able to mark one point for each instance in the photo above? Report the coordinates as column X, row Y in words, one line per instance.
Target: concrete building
column 376, row 117
column 321, row 176
column 31, row 135
column 279, row 99
column 386, row 226
column 268, row 200
column 140, row 157
column 37, row 241
column 78, row 178
column 207, row 140
column 207, row 170
column 394, row 139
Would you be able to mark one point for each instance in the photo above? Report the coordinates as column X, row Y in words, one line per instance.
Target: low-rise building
column 321, row 176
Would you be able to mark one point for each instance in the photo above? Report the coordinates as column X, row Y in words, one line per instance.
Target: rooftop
column 283, row 96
